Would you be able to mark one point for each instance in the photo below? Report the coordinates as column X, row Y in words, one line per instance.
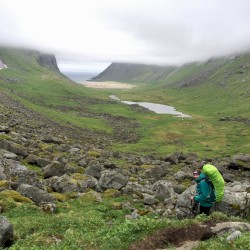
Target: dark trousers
column 204, row 210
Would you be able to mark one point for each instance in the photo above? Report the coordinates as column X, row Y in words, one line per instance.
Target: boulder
column 52, row 139
column 183, row 203
column 112, row 179
column 155, row 172
column 149, row 199
column 75, row 183
column 236, row 200
column 230, row 226
column 6, row 232
column 42, row 162
column 19, row 174
column 242, row 160
column 37, row 195
column 181, row 175
column 4, row 129
column 10, row 155
column 13, row 147
column 229, row 177
column 94, row 170
column 56, row 169
column 137, row 189
column 163, row 189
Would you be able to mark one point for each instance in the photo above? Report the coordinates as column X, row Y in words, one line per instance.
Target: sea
column 80, row 77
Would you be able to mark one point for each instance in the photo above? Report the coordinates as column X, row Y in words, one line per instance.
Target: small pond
column 157, row 108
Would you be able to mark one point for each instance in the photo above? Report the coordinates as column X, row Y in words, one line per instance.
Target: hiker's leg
column 204, row 210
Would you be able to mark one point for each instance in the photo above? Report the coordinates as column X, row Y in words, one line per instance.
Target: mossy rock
column 132, row 179
column 186, row 183
column 116, row 205
column 81, row 171
column 146, row 166
column 243, row 164
column 111, row 193
column 72, row 195
column 7, row 203
column 236, row 207
column 60, row 197
column 94, row 154
column 16, row 196
column 4, row 183
column 91, row 196
column 4, row 137
column 43, row 146
column 80, row 177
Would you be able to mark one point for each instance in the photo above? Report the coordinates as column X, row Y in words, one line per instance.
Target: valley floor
column 109, row 85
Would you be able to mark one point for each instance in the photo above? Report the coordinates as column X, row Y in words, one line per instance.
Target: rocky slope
column 68, row 159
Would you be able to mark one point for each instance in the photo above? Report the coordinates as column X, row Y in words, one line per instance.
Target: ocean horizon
column 80, row 77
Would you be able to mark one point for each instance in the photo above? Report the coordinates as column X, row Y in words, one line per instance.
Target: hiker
column 205, row 196
column 216, row 178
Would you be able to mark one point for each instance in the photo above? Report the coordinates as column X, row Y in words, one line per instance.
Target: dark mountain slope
column 219, row 69
column 124, row 72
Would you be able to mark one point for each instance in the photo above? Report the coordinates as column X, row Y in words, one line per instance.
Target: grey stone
column 236, row 234
column 6, row 232
column 112, row 179
column 37, row 195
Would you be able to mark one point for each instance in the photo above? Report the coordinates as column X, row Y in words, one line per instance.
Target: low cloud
column 141, row 31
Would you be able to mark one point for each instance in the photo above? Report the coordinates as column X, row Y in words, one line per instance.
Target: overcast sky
column 97, row 32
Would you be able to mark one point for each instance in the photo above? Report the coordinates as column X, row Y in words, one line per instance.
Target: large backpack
column 216, row 178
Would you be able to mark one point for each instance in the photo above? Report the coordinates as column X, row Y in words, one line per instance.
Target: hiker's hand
column 191, row 198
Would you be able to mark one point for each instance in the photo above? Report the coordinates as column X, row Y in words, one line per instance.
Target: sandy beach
column 109, row 85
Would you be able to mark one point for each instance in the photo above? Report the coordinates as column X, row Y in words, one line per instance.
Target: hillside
column 80, row 171
column 177, row 76
column 139, row 73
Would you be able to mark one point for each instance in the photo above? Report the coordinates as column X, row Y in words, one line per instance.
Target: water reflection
column 157, row 108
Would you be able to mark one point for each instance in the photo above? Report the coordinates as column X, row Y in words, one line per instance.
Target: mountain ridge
column 172, row 76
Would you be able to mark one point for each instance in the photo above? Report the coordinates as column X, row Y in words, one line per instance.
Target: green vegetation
column 84, row 223
column 218, row 103
column 79, row 224
column 217, row 99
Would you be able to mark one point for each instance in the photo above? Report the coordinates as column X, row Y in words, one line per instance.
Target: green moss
column 80, row 177
column 186, row 183
column 94, row 154
column 90, row 196
column 243, row 164
column 133, row 179
column 81, row 171
column 146, row 166
column 116, row 205
column 60, row 197
column 4, row 183
column 14, row 195
column 4, row 137
column 111, row 193
column 236, row 207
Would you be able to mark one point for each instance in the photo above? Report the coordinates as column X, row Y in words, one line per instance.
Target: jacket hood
column 201, row 177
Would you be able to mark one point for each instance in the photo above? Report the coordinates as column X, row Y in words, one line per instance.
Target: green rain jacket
column 204, row 191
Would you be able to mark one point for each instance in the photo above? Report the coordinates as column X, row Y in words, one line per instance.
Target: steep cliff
column 49, row 61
